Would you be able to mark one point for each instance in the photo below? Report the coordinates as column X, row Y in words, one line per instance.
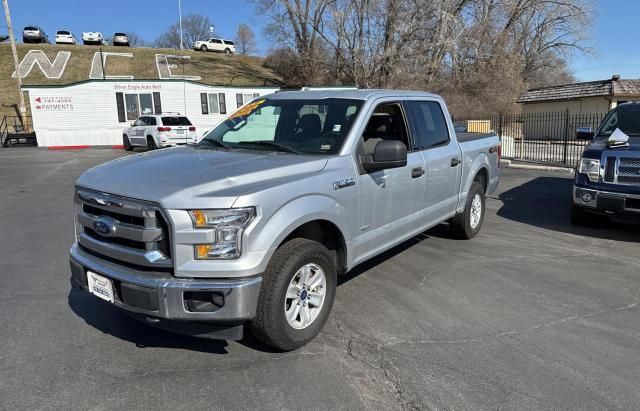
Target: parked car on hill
column 213, row 44
column 255, row 222
column 34, row 34
column 92, row 38
column 65, row 37
column 607, row 180
column 159, row 130
column 120, row 39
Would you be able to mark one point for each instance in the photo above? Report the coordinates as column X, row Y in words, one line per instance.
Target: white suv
column 159, row 130
column 65, row 37
column 92, row 37
column 213, row 44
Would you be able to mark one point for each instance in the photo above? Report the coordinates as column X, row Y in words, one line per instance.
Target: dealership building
column 95, row 112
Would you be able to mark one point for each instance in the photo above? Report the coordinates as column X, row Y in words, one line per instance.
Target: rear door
column 442, row 158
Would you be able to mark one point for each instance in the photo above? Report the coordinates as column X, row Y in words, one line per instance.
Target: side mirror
column 387, row 154
column 584, row 133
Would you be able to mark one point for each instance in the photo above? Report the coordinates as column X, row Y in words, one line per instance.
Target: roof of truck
column 354, row 94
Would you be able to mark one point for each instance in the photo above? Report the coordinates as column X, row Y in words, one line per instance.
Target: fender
column 479, row 162
column 270, row 233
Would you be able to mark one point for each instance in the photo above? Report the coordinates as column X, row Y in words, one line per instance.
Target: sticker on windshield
column 336, row 127
column 247, row 109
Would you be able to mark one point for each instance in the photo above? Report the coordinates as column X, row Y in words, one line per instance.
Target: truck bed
column 464, row 137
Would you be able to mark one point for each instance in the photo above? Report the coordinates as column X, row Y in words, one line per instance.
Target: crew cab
column 92, row 38
column 607, row 180
column 213, row 44
column 255, row 222
column 159, row 130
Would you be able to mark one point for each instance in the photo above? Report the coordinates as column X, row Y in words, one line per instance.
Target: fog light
column 586, row 197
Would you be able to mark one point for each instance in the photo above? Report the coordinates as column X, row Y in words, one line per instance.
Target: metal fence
column 555, row 138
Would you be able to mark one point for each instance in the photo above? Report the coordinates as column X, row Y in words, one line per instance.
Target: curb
column 535, row 167
column 82, row 147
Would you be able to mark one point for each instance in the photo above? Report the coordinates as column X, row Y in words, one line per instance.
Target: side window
column 223, row 103
column 239, row 102
column 213, row 103
column 138, row 122
column 386, row 123
column 151, row 121
column 429, row 124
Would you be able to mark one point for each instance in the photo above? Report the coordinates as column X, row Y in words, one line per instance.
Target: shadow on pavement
column 111, row 320
column 545, row 201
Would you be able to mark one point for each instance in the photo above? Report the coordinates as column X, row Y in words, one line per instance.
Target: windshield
column 300, row 126
column 626, row 118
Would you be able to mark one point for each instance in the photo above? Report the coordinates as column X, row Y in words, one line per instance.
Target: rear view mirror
column 584, row 133
column 387, row 154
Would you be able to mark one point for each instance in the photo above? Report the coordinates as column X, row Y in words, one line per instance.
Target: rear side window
column 175, row 121
column 429, row 124
column 228, row 42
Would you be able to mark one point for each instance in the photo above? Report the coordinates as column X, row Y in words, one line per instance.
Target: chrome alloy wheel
column 476, row 211
column 305, row 296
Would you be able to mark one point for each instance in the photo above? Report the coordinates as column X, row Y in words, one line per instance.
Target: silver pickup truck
column 254, row 223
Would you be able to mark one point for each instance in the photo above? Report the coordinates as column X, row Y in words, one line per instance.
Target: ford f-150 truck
column 607, row 181
column 253, row 223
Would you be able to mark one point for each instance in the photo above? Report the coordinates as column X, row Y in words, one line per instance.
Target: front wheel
column 297, row 293
column 126, row 143
column 227, row 51
column 466, row 225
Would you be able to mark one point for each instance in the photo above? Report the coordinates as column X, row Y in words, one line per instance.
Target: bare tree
column 135, row 40
column 245, row 40
column 470, row 49
column 194, row 27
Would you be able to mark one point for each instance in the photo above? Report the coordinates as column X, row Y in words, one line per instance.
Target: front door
column 389, row 200
column 136, row 132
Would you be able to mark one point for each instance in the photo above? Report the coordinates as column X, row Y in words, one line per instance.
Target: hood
column 597, row 147
column 188, row 177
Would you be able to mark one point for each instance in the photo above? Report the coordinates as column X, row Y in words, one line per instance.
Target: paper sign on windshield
column 243, row 111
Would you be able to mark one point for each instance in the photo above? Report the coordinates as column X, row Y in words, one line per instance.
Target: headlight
column 590, row 167
column 228, row 226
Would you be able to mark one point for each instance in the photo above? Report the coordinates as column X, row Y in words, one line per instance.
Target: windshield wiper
column 216, row 143
column 270, row 144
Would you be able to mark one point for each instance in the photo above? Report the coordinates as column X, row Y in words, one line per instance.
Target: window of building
column 244, row 98
column 132, row 106
column 213, row 103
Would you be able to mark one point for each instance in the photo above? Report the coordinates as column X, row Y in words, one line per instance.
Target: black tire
column 204, row 48
column 126, row 143
column 270, row 324
column 151, row 143
column 227, row 51
column 461, row 223
column 579, row 216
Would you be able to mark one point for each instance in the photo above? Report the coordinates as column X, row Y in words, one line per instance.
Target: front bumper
column 618, row 206
column 159, row 295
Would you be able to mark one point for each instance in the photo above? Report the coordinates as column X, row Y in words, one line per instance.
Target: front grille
column 628, row 171
column 132, row 232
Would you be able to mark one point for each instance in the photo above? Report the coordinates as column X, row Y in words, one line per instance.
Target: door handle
column 455, row 162
column 417, row 172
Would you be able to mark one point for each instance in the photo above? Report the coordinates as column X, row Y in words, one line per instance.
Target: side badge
column 345, row 182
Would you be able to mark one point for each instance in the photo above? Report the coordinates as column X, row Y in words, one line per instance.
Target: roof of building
column 606, row 88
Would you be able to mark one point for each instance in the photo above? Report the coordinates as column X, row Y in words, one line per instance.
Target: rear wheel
column 203, row 48
column 151, row 143
column 466, row 225
column 227, row 51
column 126, row 143
column 298, row 288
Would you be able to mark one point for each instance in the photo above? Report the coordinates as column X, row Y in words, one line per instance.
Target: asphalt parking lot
column 533, row 313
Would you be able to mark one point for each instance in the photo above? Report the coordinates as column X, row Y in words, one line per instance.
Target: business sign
column 52, row 103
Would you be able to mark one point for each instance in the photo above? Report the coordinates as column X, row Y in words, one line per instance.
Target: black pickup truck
column 607, row 181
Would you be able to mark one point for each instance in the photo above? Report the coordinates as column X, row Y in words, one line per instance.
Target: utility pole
column 180, row 17
column 12, row 40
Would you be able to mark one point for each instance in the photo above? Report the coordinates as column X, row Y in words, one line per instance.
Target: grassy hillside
column 214, row 68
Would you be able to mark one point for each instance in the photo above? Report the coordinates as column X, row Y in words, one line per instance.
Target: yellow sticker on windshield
column 247, row 109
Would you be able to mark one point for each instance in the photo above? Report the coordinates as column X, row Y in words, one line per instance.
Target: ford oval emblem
column 104, row 226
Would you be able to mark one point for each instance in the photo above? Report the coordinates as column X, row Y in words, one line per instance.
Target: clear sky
column 615, row 37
